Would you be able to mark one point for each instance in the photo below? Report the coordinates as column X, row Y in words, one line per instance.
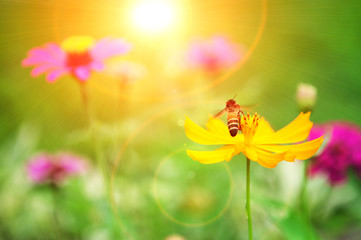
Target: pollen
column 77, row 44
column 249, row 124
column 77, row 48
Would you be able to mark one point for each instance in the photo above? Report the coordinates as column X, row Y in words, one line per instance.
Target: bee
column 233, row 111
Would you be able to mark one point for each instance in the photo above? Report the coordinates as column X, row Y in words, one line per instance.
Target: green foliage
column 136, row 146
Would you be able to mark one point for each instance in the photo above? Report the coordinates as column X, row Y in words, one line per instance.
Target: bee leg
column 239, row 124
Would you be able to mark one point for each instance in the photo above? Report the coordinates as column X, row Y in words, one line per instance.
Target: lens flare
column 154, row 15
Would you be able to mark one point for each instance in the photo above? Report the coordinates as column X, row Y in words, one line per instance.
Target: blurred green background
column 141, row 184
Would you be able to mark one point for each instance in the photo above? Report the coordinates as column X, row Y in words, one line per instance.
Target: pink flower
column 127, row 72
column 341, row 153
column 47, row 168
column 213, row 55
column 77, row 56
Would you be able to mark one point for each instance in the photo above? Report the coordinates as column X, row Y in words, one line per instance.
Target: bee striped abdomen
column 233, row 123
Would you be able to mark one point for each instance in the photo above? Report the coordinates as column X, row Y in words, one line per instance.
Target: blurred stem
column 120, row 105
column 304, row 202
column 55, row 196
column 90, row 118
column 84, row 97
column 248, row 202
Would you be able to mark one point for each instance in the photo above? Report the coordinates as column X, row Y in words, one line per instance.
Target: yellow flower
column 258, row 141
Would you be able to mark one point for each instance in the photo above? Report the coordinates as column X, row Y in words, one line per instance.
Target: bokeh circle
column 172, row 218
column 131, row 137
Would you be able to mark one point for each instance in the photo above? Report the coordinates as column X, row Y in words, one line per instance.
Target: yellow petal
column 263, row 129
column 304, row 151
column 215, row 137
column 216, row 126
column 250, row 153
column 296, row 131
column 224, row 153
column 269, row 160
column 299, row 151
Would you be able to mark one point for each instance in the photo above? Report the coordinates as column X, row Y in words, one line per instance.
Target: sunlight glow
column 154, row 15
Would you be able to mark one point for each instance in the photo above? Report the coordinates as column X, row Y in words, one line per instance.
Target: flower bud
column 175, row 237
column 306, row 96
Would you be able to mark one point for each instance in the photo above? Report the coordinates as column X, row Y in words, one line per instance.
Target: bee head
column 230, row 103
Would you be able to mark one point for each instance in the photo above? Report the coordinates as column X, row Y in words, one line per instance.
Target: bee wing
column 248, row 107
column 220, row 113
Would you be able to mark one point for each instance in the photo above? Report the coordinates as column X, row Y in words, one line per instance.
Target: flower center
column 338, row 151
column 78, row 59
column 249, row 126
column 77, row 49
column 77, row 44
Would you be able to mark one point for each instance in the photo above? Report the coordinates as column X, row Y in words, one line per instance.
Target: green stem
column 84, row 97
column 304, row 205
column 91, row 120
column 248, row 202
column 55, row 198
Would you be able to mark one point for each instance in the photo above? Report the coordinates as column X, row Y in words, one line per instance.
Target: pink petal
column 50, row 54
column 97, row 66
column 213, row 54
column 47, row 52
column 54, row 75
column 108, row 47
column 72, row 164
column 30, row 61
column 40, row 69
column 39, row 168
column 82, row 73
column 226, row 51
column 54, row 49
column 196, row 54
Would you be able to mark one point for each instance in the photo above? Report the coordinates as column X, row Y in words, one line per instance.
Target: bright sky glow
column 154, row 15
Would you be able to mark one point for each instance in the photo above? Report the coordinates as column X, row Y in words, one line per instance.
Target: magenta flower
column 47, row 168
column 341, row 153
column 77, row 56
column 213, row 55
